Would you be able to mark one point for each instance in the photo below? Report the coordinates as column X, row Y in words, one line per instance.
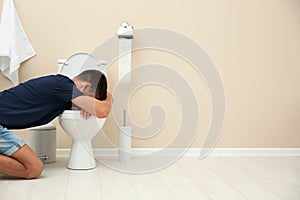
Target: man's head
column 92, row 83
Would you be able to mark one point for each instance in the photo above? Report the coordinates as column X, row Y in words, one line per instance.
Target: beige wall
column 255, row 45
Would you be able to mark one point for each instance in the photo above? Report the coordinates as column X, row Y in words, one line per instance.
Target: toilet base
column 81, row 156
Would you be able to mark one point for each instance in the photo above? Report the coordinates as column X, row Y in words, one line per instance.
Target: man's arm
column 93, row 106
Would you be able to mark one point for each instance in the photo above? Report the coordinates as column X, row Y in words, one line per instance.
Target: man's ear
column 87, row 86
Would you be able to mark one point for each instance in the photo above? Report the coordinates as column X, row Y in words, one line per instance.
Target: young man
column 37, row 102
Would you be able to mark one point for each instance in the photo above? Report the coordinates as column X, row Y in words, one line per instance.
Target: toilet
column 81, row 131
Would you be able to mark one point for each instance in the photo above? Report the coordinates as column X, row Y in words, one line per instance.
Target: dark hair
column 98, row 82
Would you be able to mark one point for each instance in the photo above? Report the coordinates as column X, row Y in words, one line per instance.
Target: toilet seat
column 80, row 62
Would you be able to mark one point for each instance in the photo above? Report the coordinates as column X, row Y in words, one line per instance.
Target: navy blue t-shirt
column 37, row 101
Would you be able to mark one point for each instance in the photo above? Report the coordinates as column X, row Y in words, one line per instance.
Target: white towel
column 14, row 44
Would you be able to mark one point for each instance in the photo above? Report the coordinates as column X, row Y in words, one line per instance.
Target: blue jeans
column 9, row 142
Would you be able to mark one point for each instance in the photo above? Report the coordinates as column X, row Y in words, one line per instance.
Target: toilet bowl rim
column 70, row 114
column 74, row 114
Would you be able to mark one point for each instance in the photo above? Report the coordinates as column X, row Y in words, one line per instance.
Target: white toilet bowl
column 82, row 132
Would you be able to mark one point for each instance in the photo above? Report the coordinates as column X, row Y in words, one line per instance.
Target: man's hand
column 109, row 97
column 85, row 115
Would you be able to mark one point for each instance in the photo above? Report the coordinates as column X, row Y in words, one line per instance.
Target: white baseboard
column 196, row 151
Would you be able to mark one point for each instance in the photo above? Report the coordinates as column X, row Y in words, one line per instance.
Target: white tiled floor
column 216, row 178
